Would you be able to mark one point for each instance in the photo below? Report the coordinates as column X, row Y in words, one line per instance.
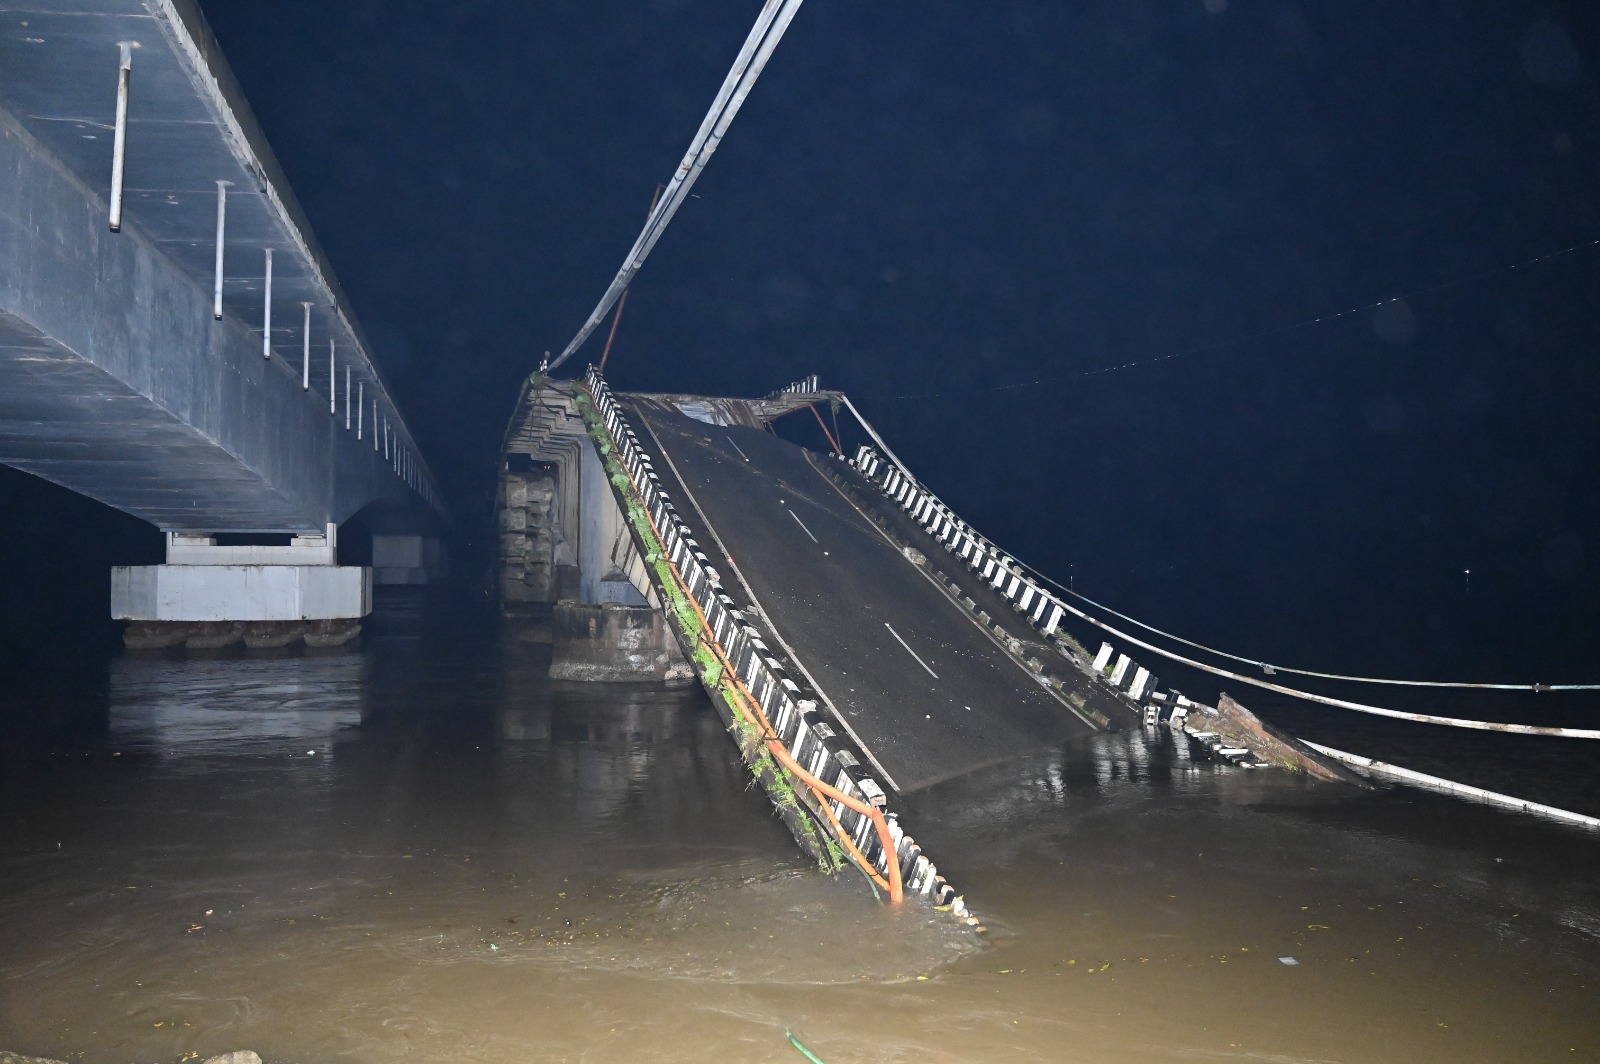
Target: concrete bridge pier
column 567, row 554
column 406, row 559
column 211, row 594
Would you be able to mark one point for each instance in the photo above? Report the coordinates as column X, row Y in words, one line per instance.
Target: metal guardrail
column 180, row 127
column 793, row 718
column 1044, row 610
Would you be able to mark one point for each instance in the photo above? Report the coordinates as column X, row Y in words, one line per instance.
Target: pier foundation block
column 614, row 643
column 209, row 596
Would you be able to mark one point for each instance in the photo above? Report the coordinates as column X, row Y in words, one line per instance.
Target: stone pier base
column 257, row 635
column 614, row 643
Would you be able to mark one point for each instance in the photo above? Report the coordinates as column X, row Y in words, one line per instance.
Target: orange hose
column 894, row 885
column 612, row 335
column 825, row 432
column 622, row 302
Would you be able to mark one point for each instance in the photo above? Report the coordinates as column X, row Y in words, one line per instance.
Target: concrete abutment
column 567, row 552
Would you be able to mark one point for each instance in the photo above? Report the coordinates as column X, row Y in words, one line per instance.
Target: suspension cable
column 752, row 59
column 1265, row 667
column 1269, row 669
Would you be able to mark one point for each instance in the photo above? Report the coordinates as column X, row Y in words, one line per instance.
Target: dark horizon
column 968, row 220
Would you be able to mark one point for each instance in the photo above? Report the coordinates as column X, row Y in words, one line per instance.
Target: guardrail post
column 222, row 229
column 119, row 142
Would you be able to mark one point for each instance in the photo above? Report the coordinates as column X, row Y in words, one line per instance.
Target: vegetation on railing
column 774, row 778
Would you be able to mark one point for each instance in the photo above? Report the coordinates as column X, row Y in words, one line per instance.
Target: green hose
column 801, row 1047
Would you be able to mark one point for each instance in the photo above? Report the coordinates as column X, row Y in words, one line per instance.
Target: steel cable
column 747, row 66
column 1340, row 703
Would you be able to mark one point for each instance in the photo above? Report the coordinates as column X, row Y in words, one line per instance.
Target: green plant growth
column 535, row 380
column 1072, row 644
column 775, row 779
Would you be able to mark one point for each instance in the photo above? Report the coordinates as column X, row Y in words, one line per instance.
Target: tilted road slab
column 923, row 689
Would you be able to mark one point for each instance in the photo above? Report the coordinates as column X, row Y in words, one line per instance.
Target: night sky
column 968, row 215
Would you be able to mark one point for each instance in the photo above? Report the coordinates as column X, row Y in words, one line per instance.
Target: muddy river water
column 424, row 850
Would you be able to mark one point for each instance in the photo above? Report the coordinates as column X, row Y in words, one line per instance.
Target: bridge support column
column 406, row 559
column 210, row 595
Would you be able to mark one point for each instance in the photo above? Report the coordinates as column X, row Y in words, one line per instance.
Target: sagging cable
column 1266, row 667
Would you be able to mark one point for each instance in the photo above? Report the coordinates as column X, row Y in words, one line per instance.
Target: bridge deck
column 119, row 376
column 926, row 693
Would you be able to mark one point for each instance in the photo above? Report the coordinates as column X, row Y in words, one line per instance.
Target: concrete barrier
column 1043, row 611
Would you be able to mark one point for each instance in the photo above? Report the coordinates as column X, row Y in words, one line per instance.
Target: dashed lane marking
column 903, row 643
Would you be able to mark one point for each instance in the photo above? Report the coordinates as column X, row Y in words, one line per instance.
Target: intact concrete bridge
column 172, row 341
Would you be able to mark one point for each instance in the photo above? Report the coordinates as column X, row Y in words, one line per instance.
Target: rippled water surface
column 424, row 850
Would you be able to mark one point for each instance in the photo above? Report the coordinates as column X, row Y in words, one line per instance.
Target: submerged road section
column 926, row 693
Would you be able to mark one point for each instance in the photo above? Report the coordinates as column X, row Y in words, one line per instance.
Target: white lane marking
column 802, row 524
column 839, row 717
column 913, row 653
column 737, row 448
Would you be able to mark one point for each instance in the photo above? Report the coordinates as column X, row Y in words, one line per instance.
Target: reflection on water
column 477, row 864
column 179, row 706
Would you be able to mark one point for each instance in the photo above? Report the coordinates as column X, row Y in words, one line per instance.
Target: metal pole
column 361, row 405
column 333, row 382
column 119, row 142
column 222, row 228
column 266, row 312
column 347, row 399
column 374, row 426
column 305, row 349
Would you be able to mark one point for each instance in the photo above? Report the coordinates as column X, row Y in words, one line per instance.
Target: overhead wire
column 1279, row 688
column 747, row 66
column 1260, row 334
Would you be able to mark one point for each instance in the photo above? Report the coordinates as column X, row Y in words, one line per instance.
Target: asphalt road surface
column 925, row 692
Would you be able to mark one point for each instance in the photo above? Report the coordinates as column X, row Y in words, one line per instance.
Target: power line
column 1237, row 341
column 1267, row 669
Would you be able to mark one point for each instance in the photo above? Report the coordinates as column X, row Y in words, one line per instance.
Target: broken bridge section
column 924, row 690
column 845, row 665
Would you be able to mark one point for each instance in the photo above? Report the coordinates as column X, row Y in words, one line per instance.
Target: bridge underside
column 171, row 341
column 70, row 422
column 924, row 690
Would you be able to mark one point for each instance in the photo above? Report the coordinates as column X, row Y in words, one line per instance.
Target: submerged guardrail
column 810, row 765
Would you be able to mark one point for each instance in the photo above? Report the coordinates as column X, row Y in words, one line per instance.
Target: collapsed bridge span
column 851, row 668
